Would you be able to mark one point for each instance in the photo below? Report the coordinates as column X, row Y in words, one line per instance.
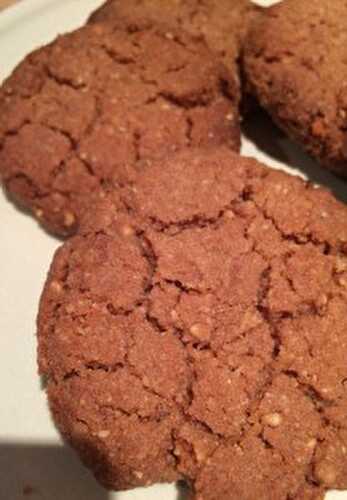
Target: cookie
column 223, row 23
column 295, row 62
column 76, row 110
column 196, row 329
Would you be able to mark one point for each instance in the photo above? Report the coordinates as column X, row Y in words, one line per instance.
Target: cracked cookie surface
column 196, row 329
column 77, row 109
column 296, row 65
column 223, row 23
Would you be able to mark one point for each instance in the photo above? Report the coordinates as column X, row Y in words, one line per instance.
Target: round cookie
column 74, row 111
column 223, row 23
column 196, row 329
column 295, row 64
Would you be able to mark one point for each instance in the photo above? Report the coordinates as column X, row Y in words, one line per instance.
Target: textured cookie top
column 196, row 328
column 296, row 64
column 223, row 23
column 75, row 110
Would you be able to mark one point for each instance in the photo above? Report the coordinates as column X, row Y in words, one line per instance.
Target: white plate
column 31, row 453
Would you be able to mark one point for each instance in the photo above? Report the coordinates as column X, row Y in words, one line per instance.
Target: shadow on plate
column 45, row 472
column 268, row 138
column 49, row 472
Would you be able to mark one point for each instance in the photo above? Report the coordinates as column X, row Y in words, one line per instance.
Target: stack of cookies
column 194, row 324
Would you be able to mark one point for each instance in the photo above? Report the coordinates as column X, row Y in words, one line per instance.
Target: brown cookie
column 196, row 329
column 223, row 23
column 296, row 65
column 77, row 109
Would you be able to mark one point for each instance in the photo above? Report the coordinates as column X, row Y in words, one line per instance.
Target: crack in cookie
column 192, row 331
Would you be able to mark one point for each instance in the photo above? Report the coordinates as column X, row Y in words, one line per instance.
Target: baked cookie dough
column 296, row 65
column 77, row 109
column 222, row 23
column 196, row 329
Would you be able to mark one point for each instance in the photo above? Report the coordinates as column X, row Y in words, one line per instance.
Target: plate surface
column 32, row 458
